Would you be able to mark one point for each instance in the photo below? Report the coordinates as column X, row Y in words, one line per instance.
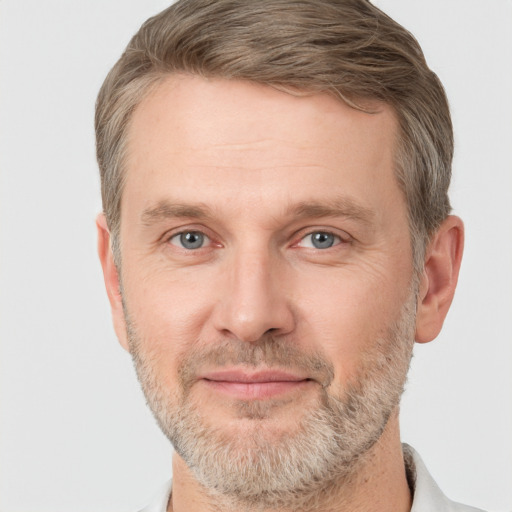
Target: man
column 276, row 235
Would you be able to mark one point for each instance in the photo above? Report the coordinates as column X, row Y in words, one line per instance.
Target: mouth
column 258, row 385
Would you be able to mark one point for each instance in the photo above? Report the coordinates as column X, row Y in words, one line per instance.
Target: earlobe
column 439, row 279
column 111, row 278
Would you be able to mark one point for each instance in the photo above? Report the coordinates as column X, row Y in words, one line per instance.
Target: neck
column 379, row 484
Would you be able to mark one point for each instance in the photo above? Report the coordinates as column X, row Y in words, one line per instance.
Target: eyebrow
column 165, row 210
column 338, row 207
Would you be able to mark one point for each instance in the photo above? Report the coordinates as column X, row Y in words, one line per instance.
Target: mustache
column 268, row 352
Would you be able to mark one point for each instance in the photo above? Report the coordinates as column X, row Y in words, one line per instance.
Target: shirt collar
column 427, row 496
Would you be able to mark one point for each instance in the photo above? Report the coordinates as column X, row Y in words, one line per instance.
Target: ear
column 439, row 279
column 111, row 277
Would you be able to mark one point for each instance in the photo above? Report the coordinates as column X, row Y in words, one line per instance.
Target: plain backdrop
column 75, row 433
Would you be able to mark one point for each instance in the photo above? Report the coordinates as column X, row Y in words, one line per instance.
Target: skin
column 240, row 159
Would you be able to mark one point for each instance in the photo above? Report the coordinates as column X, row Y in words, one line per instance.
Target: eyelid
column 336, row 241
column 189, row 228
column 184, row 228
column 343, row 236
column 207, row 239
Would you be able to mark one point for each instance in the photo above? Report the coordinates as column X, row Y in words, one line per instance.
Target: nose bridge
column 254, row 300
column 253, row 274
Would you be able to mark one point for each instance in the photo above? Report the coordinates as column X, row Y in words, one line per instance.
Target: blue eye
column 320, row 240
column 189, row 240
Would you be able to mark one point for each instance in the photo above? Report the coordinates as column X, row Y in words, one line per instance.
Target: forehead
column 239, row 111
column 225, row 140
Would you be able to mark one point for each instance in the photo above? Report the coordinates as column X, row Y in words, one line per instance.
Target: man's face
column 266, row 270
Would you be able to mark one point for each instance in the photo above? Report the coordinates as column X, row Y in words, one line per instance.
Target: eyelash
column 337, row 239
column 188, row 232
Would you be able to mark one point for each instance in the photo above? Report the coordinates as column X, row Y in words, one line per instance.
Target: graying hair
column 347, row 48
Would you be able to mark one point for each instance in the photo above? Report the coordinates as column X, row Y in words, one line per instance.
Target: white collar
column 428, row 496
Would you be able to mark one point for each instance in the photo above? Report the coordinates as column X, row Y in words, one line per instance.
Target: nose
column 254, row 300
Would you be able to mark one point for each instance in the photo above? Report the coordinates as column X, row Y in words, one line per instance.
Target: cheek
column 346, row 319
column 168, row 308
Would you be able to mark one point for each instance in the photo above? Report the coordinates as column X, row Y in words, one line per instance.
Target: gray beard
column 261, row 467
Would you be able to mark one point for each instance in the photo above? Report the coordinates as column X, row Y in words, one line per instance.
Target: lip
column 254, row 385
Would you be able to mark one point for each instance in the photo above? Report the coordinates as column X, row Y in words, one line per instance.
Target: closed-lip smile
column 255, row 385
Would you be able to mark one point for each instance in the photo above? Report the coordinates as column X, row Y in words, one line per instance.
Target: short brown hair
column 348, row 48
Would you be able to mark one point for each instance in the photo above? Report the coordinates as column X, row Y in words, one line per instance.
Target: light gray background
column 75, row 433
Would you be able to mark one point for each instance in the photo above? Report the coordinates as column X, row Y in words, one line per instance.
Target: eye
column 320, row 240
column 190, row 240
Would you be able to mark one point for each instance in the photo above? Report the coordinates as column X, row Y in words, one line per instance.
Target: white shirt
column 427, row 495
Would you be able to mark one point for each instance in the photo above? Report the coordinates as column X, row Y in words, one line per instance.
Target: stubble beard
column 262, row 467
